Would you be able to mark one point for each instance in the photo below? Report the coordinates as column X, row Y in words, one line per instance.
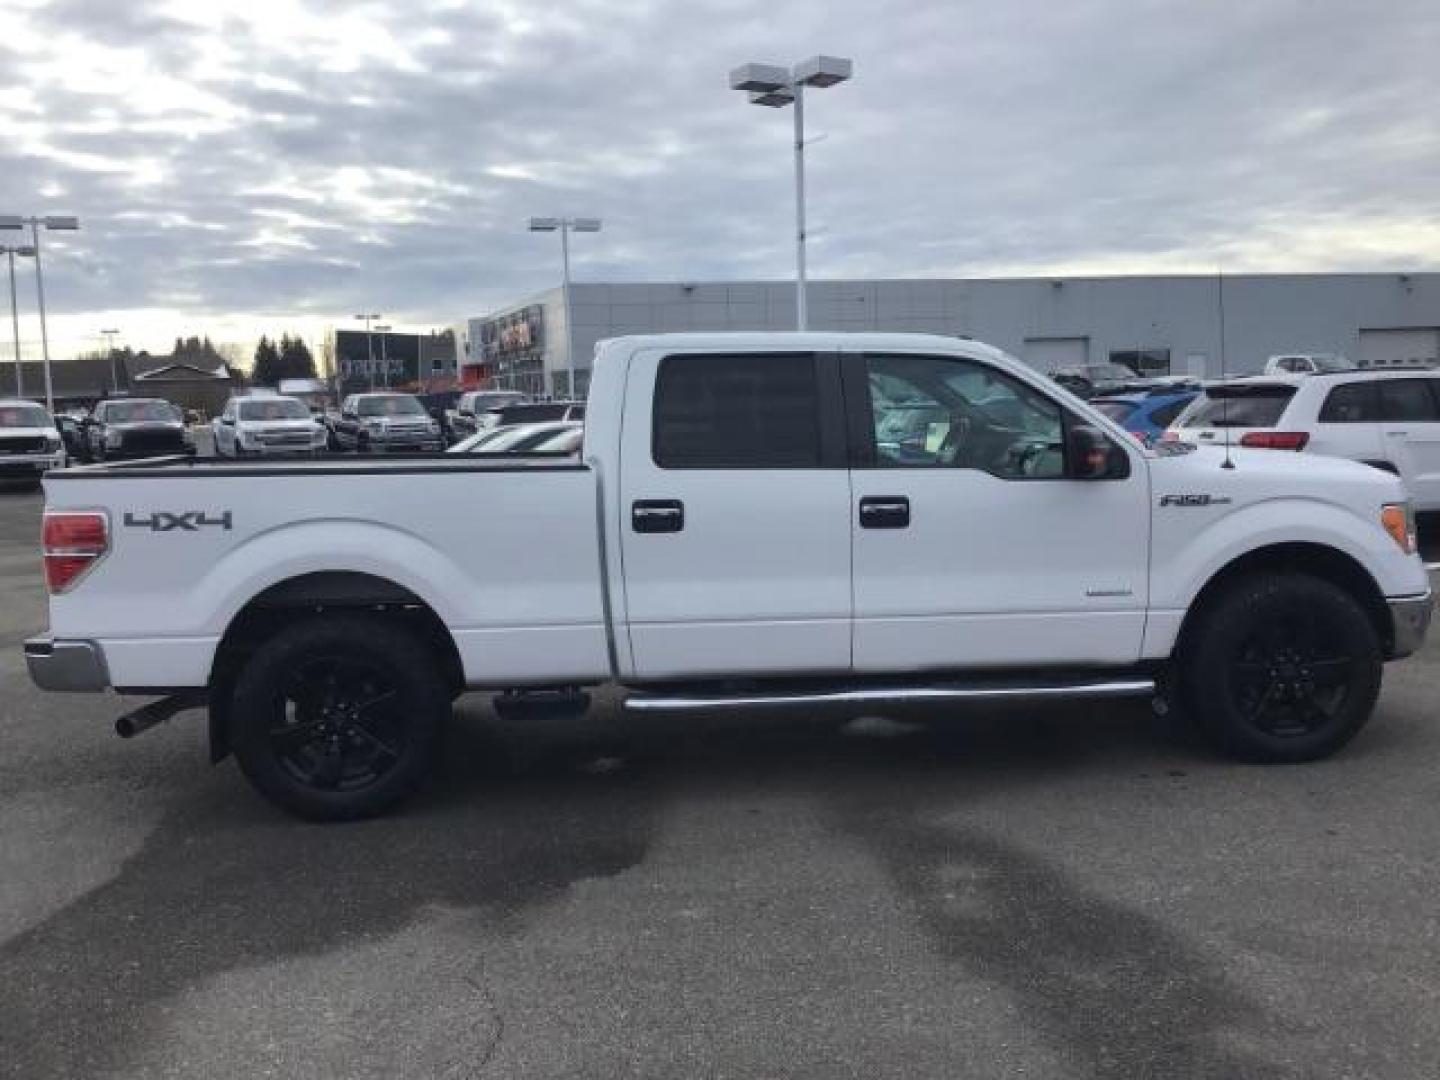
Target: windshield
column 125, row 412
column 1331, row 363
column 1238, row 406
column 519, row 439
column 496, row 399
column 390, row 406
column 1115, row 410
column 23, row 416
column 273, row 409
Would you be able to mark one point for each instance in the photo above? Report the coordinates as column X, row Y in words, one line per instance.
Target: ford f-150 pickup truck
column 756, row 519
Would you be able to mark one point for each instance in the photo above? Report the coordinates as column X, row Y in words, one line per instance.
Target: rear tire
column 1280, row 668
column 337, row 717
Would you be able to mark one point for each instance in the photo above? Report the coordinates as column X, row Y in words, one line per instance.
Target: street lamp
column 52, row 223
column 383, row 329
column 28, row 252
column 775, row 87
column 565, row 226
column 369, row 347
column 109, row 336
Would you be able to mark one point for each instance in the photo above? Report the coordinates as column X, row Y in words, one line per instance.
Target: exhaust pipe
column 157, row 712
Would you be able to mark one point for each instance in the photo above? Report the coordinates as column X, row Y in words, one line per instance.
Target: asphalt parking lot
column 1074, row 892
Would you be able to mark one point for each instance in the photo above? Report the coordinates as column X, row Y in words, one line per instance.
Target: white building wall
column 1263, row 314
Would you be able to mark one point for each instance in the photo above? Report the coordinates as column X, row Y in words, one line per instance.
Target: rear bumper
column 66, row 665
column 1410, row 618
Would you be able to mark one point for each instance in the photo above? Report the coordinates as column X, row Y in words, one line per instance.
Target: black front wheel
column 337, row 717
column 1280, row 668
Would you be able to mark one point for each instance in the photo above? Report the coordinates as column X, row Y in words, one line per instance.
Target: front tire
column 1280, row 668
column 337, row 717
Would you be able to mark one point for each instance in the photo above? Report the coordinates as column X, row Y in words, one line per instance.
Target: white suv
column 1389, row 419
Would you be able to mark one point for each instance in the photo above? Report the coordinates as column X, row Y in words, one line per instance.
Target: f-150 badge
column 1194, row 500
column 188, row 521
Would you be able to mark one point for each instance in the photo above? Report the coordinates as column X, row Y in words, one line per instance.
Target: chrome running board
column 882, row 696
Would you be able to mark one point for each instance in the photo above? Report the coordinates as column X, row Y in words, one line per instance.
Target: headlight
column 1398, row 519
column 434, row 428
column 373, row 425
column 52, row 444
column 187, row 437
column 112, row 439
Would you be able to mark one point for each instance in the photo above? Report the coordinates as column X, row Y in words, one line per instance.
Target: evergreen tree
column 295, row 359
column 267, row 370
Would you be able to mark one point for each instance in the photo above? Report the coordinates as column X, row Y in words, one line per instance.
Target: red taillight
column 1170, row 435
column 1275, row 440
column 72, row 542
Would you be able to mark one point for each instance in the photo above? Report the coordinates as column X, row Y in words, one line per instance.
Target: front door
column 971, row 545
column 734, row 503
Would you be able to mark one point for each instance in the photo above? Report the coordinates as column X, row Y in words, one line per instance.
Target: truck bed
column 504, row 551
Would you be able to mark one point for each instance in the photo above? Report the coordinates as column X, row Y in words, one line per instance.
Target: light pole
column 775, row 87
column 369, row 347
column 565, row 226
column 109, row 336
column 383, row 329
column 11, row 252
column 52, row 223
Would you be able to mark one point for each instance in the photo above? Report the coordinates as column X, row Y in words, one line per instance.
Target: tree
column 266, row 371
column 295, row 359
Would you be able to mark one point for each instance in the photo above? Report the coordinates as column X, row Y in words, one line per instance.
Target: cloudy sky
column 241, row 165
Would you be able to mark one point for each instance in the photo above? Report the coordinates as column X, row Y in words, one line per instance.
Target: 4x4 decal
column 187, row 521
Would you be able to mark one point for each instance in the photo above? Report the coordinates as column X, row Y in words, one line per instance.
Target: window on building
column 1143, row 361
column 1405, row 400
column 1350, row 403
column 737, row 412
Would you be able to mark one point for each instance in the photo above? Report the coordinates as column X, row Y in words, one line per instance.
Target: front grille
column 152, row 442
column 300, row 438
column 22, row 444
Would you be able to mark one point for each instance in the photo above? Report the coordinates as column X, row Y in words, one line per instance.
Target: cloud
column 235, row 156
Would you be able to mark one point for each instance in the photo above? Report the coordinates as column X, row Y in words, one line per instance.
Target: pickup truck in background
column 381, row 423
column 30, row 441
column 742, row 529
column 474, row 404
column 136, row 428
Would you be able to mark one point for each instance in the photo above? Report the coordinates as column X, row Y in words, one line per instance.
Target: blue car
column 1146, row 414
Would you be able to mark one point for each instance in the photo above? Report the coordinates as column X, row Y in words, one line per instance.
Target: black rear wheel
column 1283, row 667
column 337, row 717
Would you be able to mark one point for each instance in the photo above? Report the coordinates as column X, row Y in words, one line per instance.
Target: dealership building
column 1180, row 324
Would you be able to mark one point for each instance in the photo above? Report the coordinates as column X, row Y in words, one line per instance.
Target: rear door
column 735, row 504
column 1410, row 426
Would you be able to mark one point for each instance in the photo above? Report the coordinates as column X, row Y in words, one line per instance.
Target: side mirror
column 228, row 421
column 1090, row 454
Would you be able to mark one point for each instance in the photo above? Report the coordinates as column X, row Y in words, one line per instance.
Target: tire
column 306, row 739
column 1280, row 668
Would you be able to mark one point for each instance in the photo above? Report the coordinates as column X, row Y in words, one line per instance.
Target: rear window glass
column 714, row 412
column 1350, row 403
column 1165, row 415
column 1240, row 406
column 1115, row 410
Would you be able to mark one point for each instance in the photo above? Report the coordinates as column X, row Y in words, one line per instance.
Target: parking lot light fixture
column 369, row 346
column 565, row 226
column 25, row 251
column 775, row 87
column 52, row 223
column 383, row 329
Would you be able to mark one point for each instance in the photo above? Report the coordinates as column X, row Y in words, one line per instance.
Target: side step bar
column 882, row 696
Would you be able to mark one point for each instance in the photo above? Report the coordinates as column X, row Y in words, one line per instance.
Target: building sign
column 513, row 334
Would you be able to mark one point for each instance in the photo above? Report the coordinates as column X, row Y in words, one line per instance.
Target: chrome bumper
column 66, row 665
column 1410, row 618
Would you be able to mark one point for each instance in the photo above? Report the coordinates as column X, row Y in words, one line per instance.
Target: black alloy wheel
column 341, row 725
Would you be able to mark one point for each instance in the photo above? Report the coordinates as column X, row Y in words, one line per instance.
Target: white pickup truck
column 848, row 522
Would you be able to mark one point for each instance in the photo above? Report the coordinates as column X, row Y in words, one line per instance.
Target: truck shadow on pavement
column 517, row 819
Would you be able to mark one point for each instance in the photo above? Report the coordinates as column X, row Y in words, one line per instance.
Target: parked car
column 554, row 436
column 734, row 538
column 1386, row 418
column 385, row 423
column 1307, row 364
column 266, row 426
column 1089, row 380
column 30, row 443
column 1146, row 414
column 72, row 435
column 136, row 428
column 473, row 404
column 529, row 413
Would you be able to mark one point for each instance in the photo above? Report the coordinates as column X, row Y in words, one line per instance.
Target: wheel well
column 1317, row 560
column 1384, row 466
column 313, row 594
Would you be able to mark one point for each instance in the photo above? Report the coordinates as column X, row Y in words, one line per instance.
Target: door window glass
column 955, row 413
column 737, row 412
column 1406, row 400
